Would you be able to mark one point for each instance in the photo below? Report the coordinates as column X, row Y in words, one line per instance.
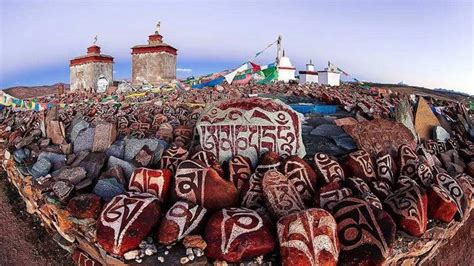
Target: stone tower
column 154, row 62
column 86, row 70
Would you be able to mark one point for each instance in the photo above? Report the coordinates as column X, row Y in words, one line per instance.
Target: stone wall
column 153, row 68
column 85, row 76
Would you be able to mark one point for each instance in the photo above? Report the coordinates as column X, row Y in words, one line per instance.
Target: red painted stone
column 408, row 206
column 196, row 182
column 172, row 157
column 359, row 164
column 301, row 175
column 408, row 161
column 85, row 206
column 454, row 190
column 281, row 197
column 440, row 204
column 328, row 169
column 234, row 234
column 308, row 238
column 180, row 220
column 81, row 258
column 126, row 220
column 240, row 170
column 153, row 181
column 366, row 234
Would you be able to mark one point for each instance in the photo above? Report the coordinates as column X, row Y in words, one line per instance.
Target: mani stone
column 74, row 175
column 55, row 131
column 133, row 146
column 108, row 188
column 85, row 206
column 308, row 237
column 250, row 127
column 84, row 140
column 234, row 234
column 425, row 120
column 127, row 167
column 93, row 164
column 62, row 189
column 57, row 160
column 404, row 115
column 105, row 135
column 125, row 222
column 379, row 135
column 182, row 219
column 78, row 125
column 40, row 168
column 153, row 181
column 440, row 134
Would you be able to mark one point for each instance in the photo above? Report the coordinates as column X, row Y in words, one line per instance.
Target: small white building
column 286, row 71
column 309, row 75
column 329, row 76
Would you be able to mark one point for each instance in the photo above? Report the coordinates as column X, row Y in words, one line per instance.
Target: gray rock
column 440, row 134
column 305, row 129
column 322, row 144
column 78, row 125
column 327, row 130
column 20, row 155
column 79, row 157
column 345, row 142
column 117, row 149
column 57, row 160
column 74, row 175
column 127, row 167
column 133, row 146
column 108, row 188
column 40, row 168
column 93, row 164
column 84, row 140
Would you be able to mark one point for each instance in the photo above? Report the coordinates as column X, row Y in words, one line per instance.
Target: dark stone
column 108, row 188
column 84, row 140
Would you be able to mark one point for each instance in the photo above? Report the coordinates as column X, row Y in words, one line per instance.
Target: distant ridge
column 25, row 92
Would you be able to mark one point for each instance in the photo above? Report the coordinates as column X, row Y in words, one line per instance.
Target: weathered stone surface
column 366, row 234
column 133, row 146
column 308, row 237
column 425, row 120
column 57, row 160
column 81, row 258
column 404, row 115
column 250, row 127
column 55, row 131
column 172, row 157
column 194, row 241
column 117, row 149
column 156, row 182
column 327, row 130
column 85, row 206
column 252, row 196
column 281, row 197
column 115, row 172
column 200, row 184
column 40, row 168
column 108, row 188
column 127, row 167
column 234, row 234
column 144, row 157
column 328, row 169
column 77, row 125
column 300, row 175
column 183, row 135
column 326, row 199
column 63, row 190
column 360, row 164
column 380, row 135
column 440, row 134
column 84, row 140
column 93, row 164
column 408, row 206
column 73, row 175
column 105, row 135
column 125, row 221
column 180, row 220
column 240, row 170
column 165, row 132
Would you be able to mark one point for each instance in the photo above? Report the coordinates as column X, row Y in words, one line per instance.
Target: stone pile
column 148, row 180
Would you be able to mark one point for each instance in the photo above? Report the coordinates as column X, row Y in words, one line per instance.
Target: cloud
column 184, row 70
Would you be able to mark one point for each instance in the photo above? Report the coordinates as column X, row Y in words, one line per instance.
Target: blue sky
column 425, row 43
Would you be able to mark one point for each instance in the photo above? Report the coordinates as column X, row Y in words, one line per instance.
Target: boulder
column 234, row 234
column 196, row 182
column 408, row 206
column 328, row 169
column 182, row 219
column 366, row 234
column 127, row 167
column 40, row 168
column 250, row 127
column 300, row 175
column 408, row 161
column 57, row 160
column 440, row 134
column 454, row 190
column 384, row 168
column 308, row 237
column 240, row 170
column 281, row 197
column 93, row 164
column 183, row 135
column 360, row 164
column 55, row 131
column 108, row 188
column 156, row 182
column 84, row 140
column 381, row 189
column 85, row 206
column 425, row 120
column 125, row 221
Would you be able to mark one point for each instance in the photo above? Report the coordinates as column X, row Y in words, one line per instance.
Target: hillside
column 24, row 92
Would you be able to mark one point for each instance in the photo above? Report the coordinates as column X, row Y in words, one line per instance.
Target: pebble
column 184, row 260
column 198, row 252
column 189, row 253
column 259, row 260
column 132, row 254
column 161, row 259
column 167, row 252
column 139, row 260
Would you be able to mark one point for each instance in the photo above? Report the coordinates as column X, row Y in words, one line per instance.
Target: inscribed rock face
column 250, row 127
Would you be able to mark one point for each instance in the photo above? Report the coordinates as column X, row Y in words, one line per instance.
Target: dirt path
column 23, row 241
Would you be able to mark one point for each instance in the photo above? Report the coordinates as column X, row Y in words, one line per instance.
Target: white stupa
column 309, row 75
column 286, row 71
column 329, row 76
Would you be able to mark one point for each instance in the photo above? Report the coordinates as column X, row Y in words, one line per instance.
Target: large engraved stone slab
column 250, row 127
